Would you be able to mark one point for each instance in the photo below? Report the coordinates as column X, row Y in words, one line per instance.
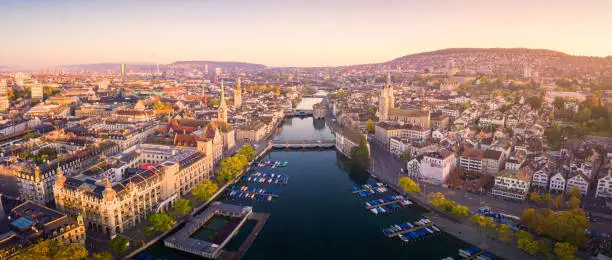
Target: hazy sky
column 290, row 32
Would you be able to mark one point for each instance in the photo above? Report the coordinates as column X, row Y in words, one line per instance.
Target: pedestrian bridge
column 302, row 144
column 299, row 112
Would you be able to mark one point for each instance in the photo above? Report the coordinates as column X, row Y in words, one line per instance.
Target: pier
column 384, row 202
column 367, row 187
column 261, row 219
column 393, row 233
column 302, row 144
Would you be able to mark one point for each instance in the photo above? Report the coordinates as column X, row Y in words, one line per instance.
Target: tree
column 360, row 155
column 370, row 126
column 534, row 196
column 574, row 192
column 558, row 201
column 547, row 197
column 102, row 256
column 53, row 249
column 465, row 105
column 408, row 185
column 248, row 151
column 559, row 103
column 405, row 156
column 565, row 251
column 460, row 210
column 528, row 216
column 447, row 205
column 224, row 175
column 213, row 103
column 600, row 124
column 526, row 243
column 161, row 222
column 545, row 247
column 535, row 102
column 436, row 199
column 118, row 245
column 504, row 233
column 205, row 190
column 583, row 116
column 573, row 202
column 182, row 207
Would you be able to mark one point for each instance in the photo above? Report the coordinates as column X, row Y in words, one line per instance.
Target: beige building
column 238, row 94
column 347, row 140
column 384, row 131
column 251, row 132
column 4, row 101
column 159, row 176
column 318, row 111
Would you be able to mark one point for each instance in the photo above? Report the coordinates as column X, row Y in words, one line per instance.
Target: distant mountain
column 106, row 66
column 225, row 65
column 499, row 60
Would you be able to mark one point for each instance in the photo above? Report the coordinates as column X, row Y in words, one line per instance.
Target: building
column 32, row 222
column 386, row 130
column 471, row 160
column 513, row 185
column 540, row 179
column 237, row 95
column 123, row 69
column 156, row 176
column 4, row 101
column 253, row 131
column 318, row 111
column 557, row 183
column 386, row 100
column 37, row 91
column 604, row 184
column 579, row 181
column 437, row 166
column 493, row 161
column 222, row 110
column 347, row 140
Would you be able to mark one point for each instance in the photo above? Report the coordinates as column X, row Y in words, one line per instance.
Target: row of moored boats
column 272, row 164
column 248, row 195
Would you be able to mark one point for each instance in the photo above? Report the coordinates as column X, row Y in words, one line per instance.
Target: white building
column 604, row 186
column 540, row 179
column 512, row 185
column 557, row 183
column 37, row 91
column 580, row 181
column 437, row 165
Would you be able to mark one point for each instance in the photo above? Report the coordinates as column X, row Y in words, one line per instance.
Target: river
column 317, row 217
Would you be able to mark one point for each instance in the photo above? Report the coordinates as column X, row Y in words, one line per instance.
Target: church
column 388, row 112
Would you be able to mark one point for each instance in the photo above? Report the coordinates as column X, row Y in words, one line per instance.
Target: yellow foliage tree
column 408, row 185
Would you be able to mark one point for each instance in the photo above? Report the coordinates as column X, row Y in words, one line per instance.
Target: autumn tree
column 408, row 185
column 534, row 196
column 370, row 126
column 102, row 256
column 248, row 152
column 526, row 242
column 573, row 203
column 53, row 249
column 505, row 233
column 558, row 201
column 436, row 199
column 204, row 191
column 565, row 251
column 546, row 197
column 460, row 210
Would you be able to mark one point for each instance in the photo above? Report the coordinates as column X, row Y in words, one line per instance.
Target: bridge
column 299, row 112
column 314, row 96
column 303, row 144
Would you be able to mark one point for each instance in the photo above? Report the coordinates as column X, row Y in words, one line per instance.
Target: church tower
column 390, row 96
column 383, row 104
column 238, row 94
column 222, row 111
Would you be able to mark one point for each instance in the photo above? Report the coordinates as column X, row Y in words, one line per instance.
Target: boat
column 283, row 164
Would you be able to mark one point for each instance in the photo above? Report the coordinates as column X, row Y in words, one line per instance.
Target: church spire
column 222, row 111
column 389, row 78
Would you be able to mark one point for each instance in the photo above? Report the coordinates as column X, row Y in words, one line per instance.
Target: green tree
column 504, row 233
column 408, row 185
column 547, row 197
column 118, row 245
column 405, row 156
column 213, row 103
column 545, row 247
column 559, row 103
column 565, row 251
column 535, row 102
column 558, row 201
column 370, row 126
column 182, row 207
column 465, row 105
column 573, row 203
column 601, row 124
column 360, row 155
column 204, row 191
column 161, row 222
column 224, row 175
column 583, row 116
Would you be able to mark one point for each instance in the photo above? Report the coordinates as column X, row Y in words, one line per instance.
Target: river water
column 317, row 217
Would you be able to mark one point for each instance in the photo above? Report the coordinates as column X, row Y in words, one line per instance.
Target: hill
column 225, row 65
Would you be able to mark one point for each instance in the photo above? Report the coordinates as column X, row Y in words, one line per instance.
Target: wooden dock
column 475, row 255
column 384, row 204
column 238, row 254
column 410, row 230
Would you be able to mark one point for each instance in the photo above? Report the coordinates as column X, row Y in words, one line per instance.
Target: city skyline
column 300, row 33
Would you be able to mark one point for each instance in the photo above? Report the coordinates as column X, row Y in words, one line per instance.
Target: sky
column 290, row 32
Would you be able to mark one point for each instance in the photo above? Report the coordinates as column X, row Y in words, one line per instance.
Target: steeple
column 238, row 94
column 222, row 111
column 222, row 98
column 389, row 78
column 60, row 179
column 109, row 193
column 422, row 99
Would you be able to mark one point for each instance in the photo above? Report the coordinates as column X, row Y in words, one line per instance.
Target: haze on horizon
column 290, row 33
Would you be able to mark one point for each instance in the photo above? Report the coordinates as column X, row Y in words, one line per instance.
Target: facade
column 540, row 179
column 580, row 181
column 471, row 160
column 4, row 101
column 347, row 140
column 557, row 183
column 37, row 91
column 604, row 185
column 251, row 132
column 164, row 173
column 318, row 111
column 32, row 222
column 493, row 161
column 238, row 94
column 222, row 110
column 386, row 130
column 437, row 165
column 511, row 185
column 386, row 100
